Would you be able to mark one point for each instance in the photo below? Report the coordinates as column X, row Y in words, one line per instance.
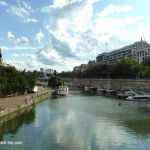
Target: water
column 79, row 122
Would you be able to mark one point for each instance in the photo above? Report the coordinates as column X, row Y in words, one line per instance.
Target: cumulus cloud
column 4, row 48
column 29, row 64
column 23, row 11
column 39, row 36
column 10, row 36
column 69, row 22
column 77, row 32
column 21, row 40
column 111, row 9
column 3, row 3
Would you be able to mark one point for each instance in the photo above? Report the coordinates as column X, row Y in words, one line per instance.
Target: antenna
column 106, row 47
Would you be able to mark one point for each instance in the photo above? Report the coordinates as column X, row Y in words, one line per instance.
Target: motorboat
column 125, row 94
column 138, row 97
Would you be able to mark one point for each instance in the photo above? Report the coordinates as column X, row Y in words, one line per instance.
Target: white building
column 46, row 72
column 136, row 51
column 49, row 71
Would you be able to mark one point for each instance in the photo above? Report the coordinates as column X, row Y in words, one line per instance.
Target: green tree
column 55, row 82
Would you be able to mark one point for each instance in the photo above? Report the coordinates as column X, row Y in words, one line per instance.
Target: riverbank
column 12, row 104
column 132, row 84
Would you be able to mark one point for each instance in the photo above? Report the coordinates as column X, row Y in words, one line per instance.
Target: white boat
column 86, row 88
column 126, row 94
column 138, row 97
column 62, row 91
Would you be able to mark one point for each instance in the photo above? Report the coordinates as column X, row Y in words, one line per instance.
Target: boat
column 62, row 91
column 138, row 97
column 90, row 89
column 93, row 89
column 111, row 92
column 86, row 88
column 123, row 94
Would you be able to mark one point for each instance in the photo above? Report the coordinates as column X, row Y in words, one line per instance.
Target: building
column 91, row 62
column 41, row 70
column 46, row 72
column 49, row 71
column 137, row 51
column 146, row 60
column 81, row 68
column 76, row 68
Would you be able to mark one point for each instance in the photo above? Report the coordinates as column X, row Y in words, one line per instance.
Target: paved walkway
column 7, row 102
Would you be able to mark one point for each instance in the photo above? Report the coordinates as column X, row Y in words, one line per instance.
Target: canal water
column 78, row 122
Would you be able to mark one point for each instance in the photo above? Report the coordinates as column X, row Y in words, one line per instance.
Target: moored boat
column 138, row 97
column 62, row 91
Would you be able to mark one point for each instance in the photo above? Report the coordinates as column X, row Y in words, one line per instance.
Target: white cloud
column 77, row 34
column 4, row 48
column 22, row 40
column 15, row 55
column 23, row 11
column 111, row 9
column 23, row 47
column 39, row 36
column 29, row 64
column 10, row 36
column 3, row 3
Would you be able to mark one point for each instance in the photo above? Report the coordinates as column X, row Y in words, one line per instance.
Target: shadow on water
column 140, row 127
column 88, row 93
column 11, row 126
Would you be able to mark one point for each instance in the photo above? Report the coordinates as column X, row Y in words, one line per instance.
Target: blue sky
column 61, row 34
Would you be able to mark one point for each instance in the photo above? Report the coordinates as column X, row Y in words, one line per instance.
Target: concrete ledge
column 32, row 101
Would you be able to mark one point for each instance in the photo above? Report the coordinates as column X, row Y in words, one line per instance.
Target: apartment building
column 138, row 51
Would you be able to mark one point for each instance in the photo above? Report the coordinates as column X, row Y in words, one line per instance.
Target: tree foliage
column 13, row 81
column 126, row 68
column 55, row 82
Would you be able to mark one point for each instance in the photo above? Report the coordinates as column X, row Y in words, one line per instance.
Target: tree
column 55, row 82
column 13, row 81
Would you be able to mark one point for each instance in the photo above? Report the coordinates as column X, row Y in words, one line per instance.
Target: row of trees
column 14, row 82
column 124, row 69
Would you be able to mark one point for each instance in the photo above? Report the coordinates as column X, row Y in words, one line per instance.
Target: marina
column 79, row 121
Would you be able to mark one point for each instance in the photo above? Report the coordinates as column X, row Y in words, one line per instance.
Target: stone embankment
column 12, row 104
column 133, row 84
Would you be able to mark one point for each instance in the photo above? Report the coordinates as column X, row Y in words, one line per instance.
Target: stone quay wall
column 32, row 100
column 133, row 84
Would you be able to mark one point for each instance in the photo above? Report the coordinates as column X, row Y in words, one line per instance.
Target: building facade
column 137, row 51
column 49, row 71
column 46, row 72
column 81, row 68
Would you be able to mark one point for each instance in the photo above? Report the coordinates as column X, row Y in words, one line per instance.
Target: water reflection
column 81, row 122
column 140, row 127
column 13, row 125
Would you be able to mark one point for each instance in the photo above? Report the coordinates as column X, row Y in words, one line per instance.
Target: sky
column 62, row 34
